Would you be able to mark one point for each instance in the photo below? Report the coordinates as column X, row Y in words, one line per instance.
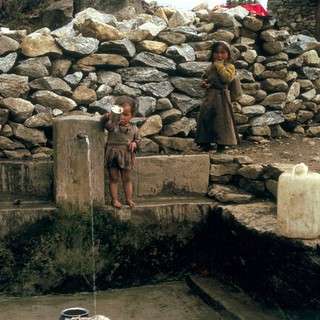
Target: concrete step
column 147, row 211
column 15, row 214
column 153, row 203
column 230, row 301
column 18, row 205
column 162, row 210
column 25, row 210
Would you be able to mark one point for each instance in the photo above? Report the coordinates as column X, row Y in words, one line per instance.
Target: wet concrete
column 166, row 301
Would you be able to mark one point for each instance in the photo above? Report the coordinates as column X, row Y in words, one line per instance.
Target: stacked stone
column 298, row 17
column 236, row 179
column 158, row 59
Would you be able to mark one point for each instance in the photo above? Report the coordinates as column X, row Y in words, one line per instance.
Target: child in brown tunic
column 123, row 141
column 216, row 122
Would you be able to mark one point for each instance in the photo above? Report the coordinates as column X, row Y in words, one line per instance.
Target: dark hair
column 215, row 46
column 125, row 100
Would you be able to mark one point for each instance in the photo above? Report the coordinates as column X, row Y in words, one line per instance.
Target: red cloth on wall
column 256, row 8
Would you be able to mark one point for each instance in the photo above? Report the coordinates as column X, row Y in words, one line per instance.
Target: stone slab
column 181, row 175
column 26, row 180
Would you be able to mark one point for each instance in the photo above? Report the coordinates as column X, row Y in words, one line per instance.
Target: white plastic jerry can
column 298, row 203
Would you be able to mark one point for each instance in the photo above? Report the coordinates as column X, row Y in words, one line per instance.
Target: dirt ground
column 164, row 301
column 294, row 149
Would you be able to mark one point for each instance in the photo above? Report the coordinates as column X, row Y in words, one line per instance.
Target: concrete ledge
column 165, row 211
column 261, row 217
column 13, row 216
column 283, row 272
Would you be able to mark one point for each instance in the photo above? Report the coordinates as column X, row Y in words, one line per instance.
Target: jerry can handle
column 300, row 169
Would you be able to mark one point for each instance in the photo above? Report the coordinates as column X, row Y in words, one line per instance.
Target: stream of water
column 94, row 289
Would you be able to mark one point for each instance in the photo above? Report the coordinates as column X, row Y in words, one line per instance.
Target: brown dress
column 216, row 121
column 119, row 138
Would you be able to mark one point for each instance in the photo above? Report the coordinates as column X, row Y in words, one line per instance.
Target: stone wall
column 299, row 17
column 157, row 58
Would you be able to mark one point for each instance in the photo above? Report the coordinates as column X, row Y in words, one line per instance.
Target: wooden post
column 317, row 31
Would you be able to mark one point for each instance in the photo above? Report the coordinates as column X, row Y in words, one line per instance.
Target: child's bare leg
column 127, row 186
column 114, row 177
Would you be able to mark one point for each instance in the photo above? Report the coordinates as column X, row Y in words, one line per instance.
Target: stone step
column 230, row 301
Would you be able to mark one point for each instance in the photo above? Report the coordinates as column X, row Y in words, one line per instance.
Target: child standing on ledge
column 216, row 121
column 123, row 141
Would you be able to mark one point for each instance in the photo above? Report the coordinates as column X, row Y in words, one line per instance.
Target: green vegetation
column 55, row 254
